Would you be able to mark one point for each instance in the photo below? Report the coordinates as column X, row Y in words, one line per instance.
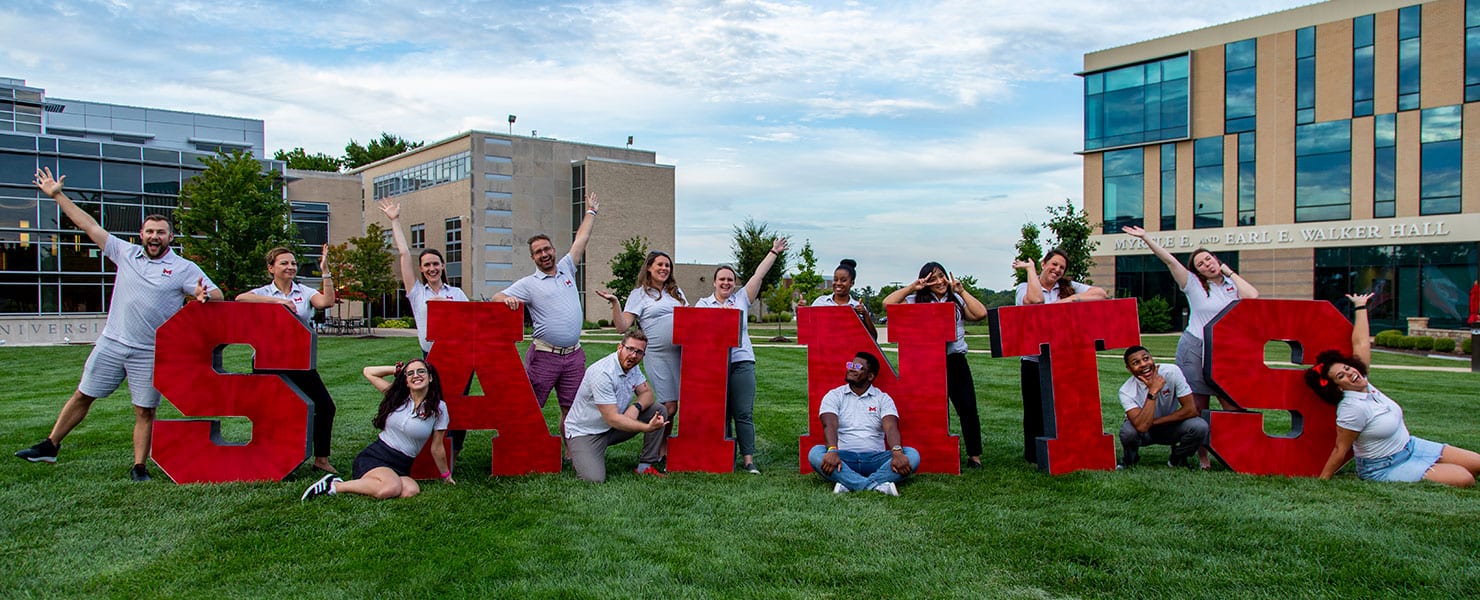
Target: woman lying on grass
column 1371, row 424
column 411, row 411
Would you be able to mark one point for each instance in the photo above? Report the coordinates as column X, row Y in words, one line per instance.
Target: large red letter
column 1234, row 348
column 479, row 338
column 1066, row 335
column 187, row 371
column 706, row 335
column 833, row 335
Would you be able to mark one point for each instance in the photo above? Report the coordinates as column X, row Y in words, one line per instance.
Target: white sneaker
column 839, row 488
column 887, row 488
column 323, row 487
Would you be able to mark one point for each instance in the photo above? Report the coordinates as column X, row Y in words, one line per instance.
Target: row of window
column 1323, row 173
column 437, row 172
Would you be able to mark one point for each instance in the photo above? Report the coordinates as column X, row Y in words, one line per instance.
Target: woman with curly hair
column 1370, row 425
column 411, row 411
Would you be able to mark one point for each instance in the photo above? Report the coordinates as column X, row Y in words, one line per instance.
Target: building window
column 578, row 214
column 1124, row 188
column 1239, row 60
column 1362, row 66
column 1323, row 171
column 1246, row 190
column 418, row 236
column 437, row 172
column 1472, row 50
column 1168, row 187
column 1410, row 26
column 1421, row 280
column 1136, row 104
column 1385, row 165
column 312, row 221
column 1207, row 182
column 1305, row 75
column 1440, row 158
column 454, row 240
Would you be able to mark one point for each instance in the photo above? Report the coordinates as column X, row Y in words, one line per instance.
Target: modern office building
column 1322, row 150
column 121, row 163
column 479, row 196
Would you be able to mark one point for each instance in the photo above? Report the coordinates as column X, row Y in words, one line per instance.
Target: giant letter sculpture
column 479, row 338
column 187, row 367
column 706, row 336
column 1234, row 347
column 1066, row 335
column 833, row 335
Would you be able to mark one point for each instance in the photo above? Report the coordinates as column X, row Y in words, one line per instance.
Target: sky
column 893, row 133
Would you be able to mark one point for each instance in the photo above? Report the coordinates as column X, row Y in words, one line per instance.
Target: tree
column 362, row 267
column 778, row 300
column 626, row 265
column 1028, row 249
column 356, row 156
column 1071, row 229
column 234, row 213
column 807, row 281
column 298, row 158
column 752, row 241
column 875, row 303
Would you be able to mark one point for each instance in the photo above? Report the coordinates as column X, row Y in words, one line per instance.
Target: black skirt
column 381, row 454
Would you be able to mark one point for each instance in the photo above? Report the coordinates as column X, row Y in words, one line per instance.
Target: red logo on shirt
column 569, row 283
column 873, row 409
column 297, row 298
column 168, row 272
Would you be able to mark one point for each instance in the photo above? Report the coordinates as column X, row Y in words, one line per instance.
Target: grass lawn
column 80, row 528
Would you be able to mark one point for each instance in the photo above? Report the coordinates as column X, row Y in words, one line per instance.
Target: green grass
column 79, row 528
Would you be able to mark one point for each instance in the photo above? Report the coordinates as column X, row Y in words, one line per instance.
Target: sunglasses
column 855, row 366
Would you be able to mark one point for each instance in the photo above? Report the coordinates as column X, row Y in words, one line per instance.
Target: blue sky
column 889, row 132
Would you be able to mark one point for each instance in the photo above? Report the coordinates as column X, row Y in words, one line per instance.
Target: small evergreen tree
column 362, row 267
column 1071, row 229
column 626, row 265
column 1028, row 249
column 807, row 280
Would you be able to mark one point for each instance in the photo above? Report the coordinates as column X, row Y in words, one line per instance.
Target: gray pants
column 588, row 452
column 1185, row 437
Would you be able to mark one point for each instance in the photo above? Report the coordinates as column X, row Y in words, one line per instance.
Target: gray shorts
column 1190, row 361
column 110, row 363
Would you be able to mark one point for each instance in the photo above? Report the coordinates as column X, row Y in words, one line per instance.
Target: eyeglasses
column 855, row 365
column 637, row 351
column 410, row 372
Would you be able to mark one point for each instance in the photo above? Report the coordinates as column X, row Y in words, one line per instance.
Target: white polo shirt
column 146, row 291
column 1377, row 419
column 605, row 383
column 553, row 302
column 739, row 300
column 419, row 295
column 407, row 433
column 1133, row 392
column 860, row 418
column 300, row 294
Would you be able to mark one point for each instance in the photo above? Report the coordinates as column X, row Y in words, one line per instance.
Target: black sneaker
column 43, row 451
column 323, row 487
column 139, row 473
column 1128, row 460
column 750, row 468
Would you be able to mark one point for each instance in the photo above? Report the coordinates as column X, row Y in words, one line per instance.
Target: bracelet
column 773, row 252
column 590, row 212
column 446, row 474
column 1362, row 307
column 831, row 449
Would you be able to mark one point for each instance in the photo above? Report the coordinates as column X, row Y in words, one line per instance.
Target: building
column 1322, row 150
column 121, row 163
column 479, row 196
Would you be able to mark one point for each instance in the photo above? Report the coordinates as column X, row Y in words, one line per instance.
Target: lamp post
column 512, row 118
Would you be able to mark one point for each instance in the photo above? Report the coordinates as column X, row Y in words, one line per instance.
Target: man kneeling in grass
column 604, row 412
column 859, row 421
column 1172, row 417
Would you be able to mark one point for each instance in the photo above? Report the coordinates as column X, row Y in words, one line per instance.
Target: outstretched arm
column 1179, row 272
column 84, row 221
column 1361, row 338
column 392, row 211
column 620, row 320
column 898, row 296
column 1341, row 453
column 753, row 287
column 583, row 233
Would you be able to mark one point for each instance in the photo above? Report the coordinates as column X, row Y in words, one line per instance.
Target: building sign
column 1329, row 234
column 49, row 330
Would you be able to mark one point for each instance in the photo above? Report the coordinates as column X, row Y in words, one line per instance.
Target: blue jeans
column 862, row 470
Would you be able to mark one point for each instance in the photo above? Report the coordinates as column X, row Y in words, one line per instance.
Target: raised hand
column 1359, row 299
column 1133, row 231
column 324, row 262
column 391, row 209
column 202, row 295
column 1026, row 265
column 778, row 246
column 608, row 296
column 48, row 185
column 592, row 204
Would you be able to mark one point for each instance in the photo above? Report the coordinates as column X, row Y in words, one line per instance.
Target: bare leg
column 322, row 464
column 1202, row 452
column 143, row 430
column 1450, row 474
column 380, row 482
column 72, row 413
column 409, row 487
column 1454, row 455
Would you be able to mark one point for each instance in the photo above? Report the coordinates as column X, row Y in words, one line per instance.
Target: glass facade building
column 1316, row 194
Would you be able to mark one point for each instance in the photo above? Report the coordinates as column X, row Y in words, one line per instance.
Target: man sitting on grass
column 604, row 412
column 1164, row 421
column 859, row 421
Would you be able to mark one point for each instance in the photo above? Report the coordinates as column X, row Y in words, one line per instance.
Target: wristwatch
column 897, row 449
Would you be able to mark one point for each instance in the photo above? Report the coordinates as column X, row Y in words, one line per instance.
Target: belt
column 544, row 346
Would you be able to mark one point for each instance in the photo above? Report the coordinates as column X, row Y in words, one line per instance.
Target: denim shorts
column 1409, row 464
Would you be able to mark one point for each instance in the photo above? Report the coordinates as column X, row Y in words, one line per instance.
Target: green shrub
column 589, row 325
column 603, row 323
column 1464, row 345
column 401, row 323
column 1444, row 345
column 1386, row 337
column 777, row 317
column 1155, row 315
column 1423, row 342
column 1403, row 342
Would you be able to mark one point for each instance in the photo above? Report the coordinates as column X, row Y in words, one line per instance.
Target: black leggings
column 323, row 407
column 962, row 391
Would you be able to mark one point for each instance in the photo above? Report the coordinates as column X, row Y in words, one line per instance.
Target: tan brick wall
column 1443, row 53
column 1384, row 62
column 1408, row 163
column 1279, row 273
column 1333, row 70
column 1094, row 187
column 1363, row 155
column 340, row 191
column 636, row 200
column 1207, row 92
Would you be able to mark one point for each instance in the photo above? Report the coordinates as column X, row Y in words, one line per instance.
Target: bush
column 1386, row 337
column 589, row 325
column 777, row 317
column 603, row 323
column 1155, row 315
column 401, row 323
column 1403, row 342
column 1464, row 345
column 1423, row 342
column 1444, row 345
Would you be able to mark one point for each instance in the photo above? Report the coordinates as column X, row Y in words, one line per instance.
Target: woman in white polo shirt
column 650, row 306
column 740, row 396
column 302, row 300
column 1210, row 285
column 1370, row 425
column 843, row 278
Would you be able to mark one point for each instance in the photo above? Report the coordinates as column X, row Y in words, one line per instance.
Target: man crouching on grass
column 1164, row 421
column 858, row 422
column 605, row 413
